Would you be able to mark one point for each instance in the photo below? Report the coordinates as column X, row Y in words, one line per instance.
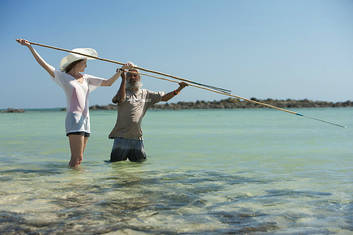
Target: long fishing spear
column 194, row 84
column 144, row 69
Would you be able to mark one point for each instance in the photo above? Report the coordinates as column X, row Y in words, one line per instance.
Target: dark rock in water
column 103, row 107
column 11, row 110
column 98, row 107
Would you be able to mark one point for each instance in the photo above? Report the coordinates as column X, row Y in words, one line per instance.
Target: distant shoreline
column 229, row 103
column 232, row 103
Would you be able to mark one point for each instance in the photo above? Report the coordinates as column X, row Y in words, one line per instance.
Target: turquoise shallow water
column 208, row 172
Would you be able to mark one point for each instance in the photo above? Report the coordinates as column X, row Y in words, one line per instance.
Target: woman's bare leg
column 77, row 144
column 84, row 146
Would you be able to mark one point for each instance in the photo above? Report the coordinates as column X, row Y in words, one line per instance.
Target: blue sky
column 265, row 49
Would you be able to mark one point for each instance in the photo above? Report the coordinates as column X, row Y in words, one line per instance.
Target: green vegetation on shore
column 229, row 103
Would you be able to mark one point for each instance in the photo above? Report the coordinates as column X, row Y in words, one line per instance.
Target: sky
column 265, row 49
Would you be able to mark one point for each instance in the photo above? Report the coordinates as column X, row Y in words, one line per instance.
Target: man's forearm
column 171, row 94
column 121, row 95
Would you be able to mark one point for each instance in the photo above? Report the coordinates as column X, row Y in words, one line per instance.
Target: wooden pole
column 191, row 83
column 140, row 68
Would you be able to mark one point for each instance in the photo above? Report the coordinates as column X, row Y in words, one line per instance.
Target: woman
column 77, row 87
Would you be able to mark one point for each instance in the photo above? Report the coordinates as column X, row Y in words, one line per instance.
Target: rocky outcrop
column 232, row 103
column 103, row 107
column 229, row 103
column 11, row 110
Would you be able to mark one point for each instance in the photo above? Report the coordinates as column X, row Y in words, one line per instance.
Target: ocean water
column 208, row 172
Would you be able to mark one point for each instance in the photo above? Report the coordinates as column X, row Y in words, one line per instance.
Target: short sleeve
column 94, row 82
column 59, row 77
column 154, row 97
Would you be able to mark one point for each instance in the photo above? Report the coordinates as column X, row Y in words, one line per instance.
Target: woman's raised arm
column 50, row 69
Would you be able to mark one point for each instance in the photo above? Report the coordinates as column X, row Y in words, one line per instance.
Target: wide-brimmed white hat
column 74, row 57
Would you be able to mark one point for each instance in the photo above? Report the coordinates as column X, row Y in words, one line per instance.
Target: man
column 133, row 102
